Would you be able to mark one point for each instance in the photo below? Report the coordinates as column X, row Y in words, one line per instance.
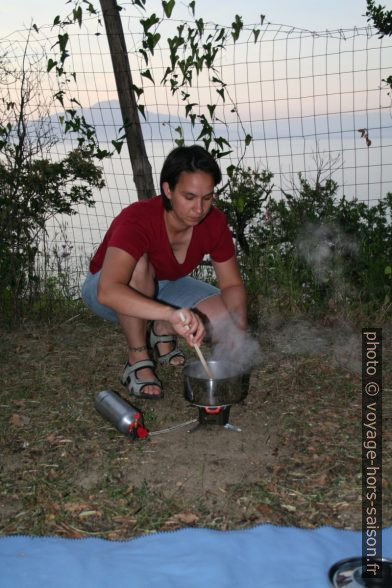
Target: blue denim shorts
column 185, row 292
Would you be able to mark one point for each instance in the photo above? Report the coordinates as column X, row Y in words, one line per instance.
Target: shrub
column 33, row 188
column 242, row 199
column 313, row 249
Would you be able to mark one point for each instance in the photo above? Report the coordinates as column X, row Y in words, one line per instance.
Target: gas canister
column 126, row 418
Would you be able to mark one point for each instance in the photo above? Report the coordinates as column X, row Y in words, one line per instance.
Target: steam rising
column 235, row 346
column 299, row 336
column 324, row 248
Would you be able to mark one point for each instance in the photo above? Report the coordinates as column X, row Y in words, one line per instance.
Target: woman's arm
column 114, row 291
column 232, row 290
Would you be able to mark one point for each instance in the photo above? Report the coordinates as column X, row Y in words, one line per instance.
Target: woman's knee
column 214, row 314
column 143, row 276
column 90, row 299
column 213, row 307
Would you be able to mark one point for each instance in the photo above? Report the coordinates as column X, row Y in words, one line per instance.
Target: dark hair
column 187, row 159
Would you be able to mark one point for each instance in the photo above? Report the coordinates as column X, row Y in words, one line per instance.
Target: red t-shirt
column 140, row 228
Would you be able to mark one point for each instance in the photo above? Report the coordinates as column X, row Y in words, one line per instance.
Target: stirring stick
column 203, row 362
column 201, row 356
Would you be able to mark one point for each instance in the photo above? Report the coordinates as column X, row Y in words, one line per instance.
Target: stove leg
column 231, row 427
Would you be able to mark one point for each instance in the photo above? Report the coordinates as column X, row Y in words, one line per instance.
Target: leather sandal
column 135, row 385
column 154, row 340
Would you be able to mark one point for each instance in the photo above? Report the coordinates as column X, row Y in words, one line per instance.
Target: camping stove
column 214, row 415
column 214, row 396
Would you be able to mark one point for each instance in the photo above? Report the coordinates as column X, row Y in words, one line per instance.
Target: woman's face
column 192, row 197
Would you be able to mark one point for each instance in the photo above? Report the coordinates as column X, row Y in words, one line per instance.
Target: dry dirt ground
column 296, row 461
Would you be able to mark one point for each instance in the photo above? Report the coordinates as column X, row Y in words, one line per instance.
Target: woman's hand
column 187, row 324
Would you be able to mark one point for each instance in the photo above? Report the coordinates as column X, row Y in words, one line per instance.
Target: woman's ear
column 167, row 194
column 166, row 189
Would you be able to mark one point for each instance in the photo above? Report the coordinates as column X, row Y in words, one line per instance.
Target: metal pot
column 227, row 387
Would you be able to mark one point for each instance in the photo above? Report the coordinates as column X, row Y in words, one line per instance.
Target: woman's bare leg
column 135, row 329
column 165, row 328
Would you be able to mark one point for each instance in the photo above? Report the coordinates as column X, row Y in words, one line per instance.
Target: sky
column 315, row 15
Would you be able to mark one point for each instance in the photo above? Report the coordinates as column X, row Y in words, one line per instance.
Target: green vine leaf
column 63, row 40
column 207, row 130
column 211, row 109
column 77, row 15
column 147, row 74
column 138, row 91
column 248, row 140
column 221, row 36
column 90, row 8
column 60, row 96
column 141, row 108
column 168, row 7
column 145, row 55
column 167, row 72
column 200, row 26
column 173, row 86
column 256, row 33
column 140, row 3
column 51, row 65
column 149, row 22
column 192, row 7
column 237, row 26
column 101, row 154
column 118, row 145
column 221, row 141
column 189, row 107
column 221, row 93
column 209, row 55
column 207, row 143
column 150, row 42
column 221, row 154
column 218, row 81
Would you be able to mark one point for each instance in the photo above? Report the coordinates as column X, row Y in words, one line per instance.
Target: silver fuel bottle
column 126, row 418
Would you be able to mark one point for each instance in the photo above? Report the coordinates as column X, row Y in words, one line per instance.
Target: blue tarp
column 264, row 555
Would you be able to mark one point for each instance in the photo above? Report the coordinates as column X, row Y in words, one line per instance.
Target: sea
column 362, row 171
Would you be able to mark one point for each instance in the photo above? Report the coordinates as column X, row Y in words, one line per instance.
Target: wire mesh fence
column 312, row 101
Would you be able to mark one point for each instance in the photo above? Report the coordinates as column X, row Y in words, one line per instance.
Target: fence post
column 142, row 172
